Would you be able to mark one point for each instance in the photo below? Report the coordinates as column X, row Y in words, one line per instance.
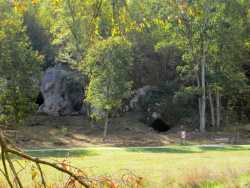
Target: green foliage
column 40, row 39
column 170, row 41
column 207, row 32
column 19, row 68
column 108, row 63
column 73, row 28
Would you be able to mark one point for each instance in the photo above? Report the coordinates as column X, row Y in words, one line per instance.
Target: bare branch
column 5, row 166
column 14, row 171
column 41, row 174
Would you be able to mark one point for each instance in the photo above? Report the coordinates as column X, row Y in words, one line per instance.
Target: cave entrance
column 159, row 125
column 40, row 99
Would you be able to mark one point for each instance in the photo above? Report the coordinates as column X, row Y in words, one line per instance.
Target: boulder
column 62, row 90
column 147, row 100
column 139, row 94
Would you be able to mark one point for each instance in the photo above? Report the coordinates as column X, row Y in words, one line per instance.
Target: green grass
column 160, row 167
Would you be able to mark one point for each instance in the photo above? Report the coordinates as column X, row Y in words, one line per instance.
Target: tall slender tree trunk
column 226, row 113
column 199, row 98
column 106, row 126
column 199, row 103
column 211, row 102
column 218, row 106
column 203, row 91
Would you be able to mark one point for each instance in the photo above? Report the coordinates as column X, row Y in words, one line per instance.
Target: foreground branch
column 41, row 174
column 6, row 150
column 75, row 175
column 6, row 173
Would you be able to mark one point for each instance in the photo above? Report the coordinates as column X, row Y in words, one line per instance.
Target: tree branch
column 41, row 174
column 14, row 171
column 5, row 150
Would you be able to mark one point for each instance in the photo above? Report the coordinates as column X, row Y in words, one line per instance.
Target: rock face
column 147, row 100
column 62, row 90
column 139, row 94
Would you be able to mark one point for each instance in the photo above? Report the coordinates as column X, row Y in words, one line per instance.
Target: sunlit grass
column 160, row 167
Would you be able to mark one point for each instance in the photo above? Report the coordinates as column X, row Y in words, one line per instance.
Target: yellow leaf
column 33, row 173
column 190, row 12
column 179, row 21
column 34, row 2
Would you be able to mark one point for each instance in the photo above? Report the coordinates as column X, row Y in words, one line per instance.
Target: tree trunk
column 203, row 89
column 199, row 98
column 218, row 114
column 211, row 102
column 226, row 121
column 106, row 126
column 199, row 103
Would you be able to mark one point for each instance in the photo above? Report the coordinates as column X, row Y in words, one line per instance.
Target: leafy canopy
column 19, row 67
column 108, row 63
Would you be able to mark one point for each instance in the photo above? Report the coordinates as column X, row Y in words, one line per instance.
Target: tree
column 191, row 27
column 73, row 28
column 19, row 67
column 107, row 64
column 226, row 77
column 40, row 38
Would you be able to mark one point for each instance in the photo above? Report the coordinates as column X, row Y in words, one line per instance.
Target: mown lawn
column 160, row 167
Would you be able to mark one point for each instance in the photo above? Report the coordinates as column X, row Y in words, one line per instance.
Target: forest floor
column 43, row 131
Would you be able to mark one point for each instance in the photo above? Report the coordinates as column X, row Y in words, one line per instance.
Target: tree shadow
column 188, row 149
column 61, row 153
column 223, row 148
column 180, row 149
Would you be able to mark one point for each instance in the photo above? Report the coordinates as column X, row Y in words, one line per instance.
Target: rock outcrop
column 63, row 91
column 139, row 94
column 147, row 100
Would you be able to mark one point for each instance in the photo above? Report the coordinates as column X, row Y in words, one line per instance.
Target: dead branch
column 14, row 171
column 41, row 174
column 75, row 174
column 5, row 167
column 6, row 150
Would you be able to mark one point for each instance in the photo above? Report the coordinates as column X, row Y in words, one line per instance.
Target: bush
column 19, row 69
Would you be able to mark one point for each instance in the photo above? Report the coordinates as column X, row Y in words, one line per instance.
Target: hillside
column 43, row 131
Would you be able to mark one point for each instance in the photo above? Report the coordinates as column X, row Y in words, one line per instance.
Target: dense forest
column 124, row 93
column 196, row 53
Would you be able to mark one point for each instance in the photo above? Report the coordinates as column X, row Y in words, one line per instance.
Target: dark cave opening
column 40, row 99
column 159, row 125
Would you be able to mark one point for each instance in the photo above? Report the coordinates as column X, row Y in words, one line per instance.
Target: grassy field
column 173, row 166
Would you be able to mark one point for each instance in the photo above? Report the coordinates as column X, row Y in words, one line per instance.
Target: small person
column 183, row 136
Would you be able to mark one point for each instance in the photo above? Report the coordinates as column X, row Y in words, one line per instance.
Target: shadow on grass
column 61, row 153
column 189, row 149
column 163, row 150
column 223, row 148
